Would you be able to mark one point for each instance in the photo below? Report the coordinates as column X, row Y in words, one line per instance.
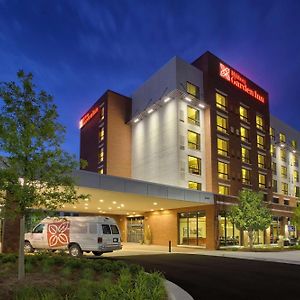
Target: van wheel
column 28, row 248
column 75, row 250
column 97, row 253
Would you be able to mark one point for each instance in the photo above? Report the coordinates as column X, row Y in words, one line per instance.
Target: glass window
column 221, row 101
column 39, row 228
column 106, row 229
column 223, row 189
column 283, row 154
column 274, row 168
column 259, row 122
column 244, row 134
column 261, row 180
column 272, row 133
column 195, row 185
column 194, row 165
column 223, row 147
column 297, row 191
column 275, row 200
column 222, row 170
column 222, row 124
column 245, row 176
column 284, row 171
column 101, row 113
column 244, row 114
column 245, row 153
column 229, row 235
column 272, row 151
column 296, row 176
column 101, row 154
column 260, row 141
column 284, row 188
column 193, row 115
column 274, row 185
column 100, row 170
column 294, row 144
column 114, row 229
column 294, row 160
column 261, row 161
column 193, row 140
column 286, row 202
column 282, row 137
column 101, row 134
column 192, row 89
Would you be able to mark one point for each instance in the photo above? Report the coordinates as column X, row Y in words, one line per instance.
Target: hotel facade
column 174, row 156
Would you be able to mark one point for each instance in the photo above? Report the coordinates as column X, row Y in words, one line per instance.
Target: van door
column 107, row 237
column 38, row 237
column 116, row 238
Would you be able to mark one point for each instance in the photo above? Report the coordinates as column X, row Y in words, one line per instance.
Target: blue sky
column 78, row 49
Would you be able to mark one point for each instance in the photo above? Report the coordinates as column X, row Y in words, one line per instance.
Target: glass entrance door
column 135, row 229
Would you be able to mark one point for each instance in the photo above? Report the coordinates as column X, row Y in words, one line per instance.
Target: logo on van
column 58, row 234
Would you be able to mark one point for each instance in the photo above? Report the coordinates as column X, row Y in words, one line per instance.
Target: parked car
column 75, row 234
column 290, row 242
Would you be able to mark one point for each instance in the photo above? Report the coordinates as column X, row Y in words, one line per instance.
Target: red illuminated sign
column 86, row 118
column 239, row 81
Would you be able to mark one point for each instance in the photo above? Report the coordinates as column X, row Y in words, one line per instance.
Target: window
column 272, row 151
column 222, row 124
column 294, row 144
column 245, row 153
column 114, row 229
column 283, row 171
column 274, row 168
column 244, row 114
column 296, row 176
column 194, row 165
column 193, row 116
column 193, row 140
column 283, row 154
column 259, row 122
column 282, row 137
column 297, row 191
column 101, row 154
column 245, row 176
column 286, row 202
column 272, row 133
column 261, row 180
column 100, row 170
column 106, row 229
column 195, row 185
column 260, row 141
column 102, row 113
column 221, row 101
column 222, row 170
column 275, row 200
column 274, row 185
column 244, row 134
column 261, row 159
column 223, row 147
column 39, row 228
column 294, row 160
column 284, row 188
column 101, row 134
column 223, row 189
column 192, row 89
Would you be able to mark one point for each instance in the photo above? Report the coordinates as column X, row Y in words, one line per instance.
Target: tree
column 296, row 217
column 37, row 171
column 250, row 214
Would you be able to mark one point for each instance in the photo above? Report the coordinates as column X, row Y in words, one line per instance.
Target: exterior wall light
column 294, row 151
column 201, row 105
column 188, row 99
column 282, row 145
column 151, row 110
column 136, row 120
column 167, row 99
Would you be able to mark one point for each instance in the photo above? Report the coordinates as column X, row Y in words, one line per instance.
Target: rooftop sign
column 239, row 81
column 87, row 117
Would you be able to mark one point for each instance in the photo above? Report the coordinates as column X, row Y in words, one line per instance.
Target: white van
column 76, row 234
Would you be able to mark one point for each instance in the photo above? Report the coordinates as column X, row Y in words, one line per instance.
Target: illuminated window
column 222, row 124
column 100, row 170
column 283, row 171
column 272, row 151
column 221, row 101
column 222, row 170
column 195, row 185
column 259, row 122
column 101, row 134
column 283, row 154
column 193, row 115
column 294, row 160
column 272, row 133
column 244, row 114
column 274, row 168
column 223, row 189
column 194, row 165
column 274, row 185
column 245, row 153
column 296, row 176
column 260, row 141
column 192, row 89
column 261, row 180
column 101, row 113
column 101, row 154
column 244, row 134
column 282, row 137
column 284, row 188
column 193, row 140
column 223, row 146
column 294, row 144
column 245, row 176
column 261, row 159
column 297, row 191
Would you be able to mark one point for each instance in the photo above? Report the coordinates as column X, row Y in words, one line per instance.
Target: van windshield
column 38, row 229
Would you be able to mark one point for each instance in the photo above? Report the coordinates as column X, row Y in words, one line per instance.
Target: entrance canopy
column 124, row 196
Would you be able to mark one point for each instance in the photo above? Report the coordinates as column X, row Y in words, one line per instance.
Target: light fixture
column 122, row 205
column 154, row 203
column 101, row 200
column 118, row 207
column 134, row 212
column 188, row 99
column 151, row 110
column 114, row 202
column 86, row 204
column 282, row 145
column 109, row 208
column 74, row 206
column 151, row 209
column 86, row 208
column 136, row 120
column 201, row 105
column 127, row 213
column 98, row 207
column 294, row 151
column 167, row 99
column 86, row 199
column 161, row 209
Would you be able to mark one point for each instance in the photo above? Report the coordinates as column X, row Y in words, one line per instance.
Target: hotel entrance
column 135, row 229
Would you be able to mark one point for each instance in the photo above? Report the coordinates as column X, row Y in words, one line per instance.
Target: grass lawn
column 60, row 277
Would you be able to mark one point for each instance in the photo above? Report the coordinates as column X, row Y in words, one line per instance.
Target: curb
column 175, row 292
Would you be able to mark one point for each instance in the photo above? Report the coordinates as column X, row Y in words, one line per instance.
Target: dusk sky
column 78, row 49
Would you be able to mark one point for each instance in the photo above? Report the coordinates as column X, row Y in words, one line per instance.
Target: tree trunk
column 21, row 261
column 250, row 234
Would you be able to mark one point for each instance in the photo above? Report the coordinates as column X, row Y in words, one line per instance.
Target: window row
column 283, row 153
column 282, row 138
column 285, row 188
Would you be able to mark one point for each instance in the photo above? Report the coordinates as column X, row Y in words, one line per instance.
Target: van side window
column 93, row 227
column 39, row 228
column 106, row 229
column 114, row 229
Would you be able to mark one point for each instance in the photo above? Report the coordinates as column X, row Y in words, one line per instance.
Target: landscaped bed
column 262, row 248
column 61, row 277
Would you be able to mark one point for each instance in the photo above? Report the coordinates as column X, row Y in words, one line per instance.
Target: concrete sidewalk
column 130, row 249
